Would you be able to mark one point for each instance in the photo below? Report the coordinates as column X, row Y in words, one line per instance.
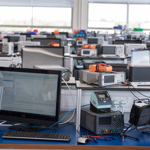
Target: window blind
column 37, row 3
column 121, row 1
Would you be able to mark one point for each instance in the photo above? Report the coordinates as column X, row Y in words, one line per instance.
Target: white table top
column 85, row 86
column 70, row 82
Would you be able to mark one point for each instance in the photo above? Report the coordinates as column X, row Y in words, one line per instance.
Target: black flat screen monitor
column 30, row 96
column 42, row 55
column 46, row 41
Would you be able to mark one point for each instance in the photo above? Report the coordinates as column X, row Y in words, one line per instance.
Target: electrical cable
column 7, row 125
column 57, row 121
column 73, row 102
column 72, row 115
column 53, row 124
column 130, row 130
column 133, row 93
column 138, row 91
column 2, row 123
column 67, row 71
column 125, row 125
column 127, row 129
column 68, row 124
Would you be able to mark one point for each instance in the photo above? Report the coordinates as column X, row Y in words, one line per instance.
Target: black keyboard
column 36, row 136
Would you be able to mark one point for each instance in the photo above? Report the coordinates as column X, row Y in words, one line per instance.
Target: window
column 139, row 16
column 15, row 15
column 13, row 29
column 49, row 16
column 21, row 17
column 107, row 15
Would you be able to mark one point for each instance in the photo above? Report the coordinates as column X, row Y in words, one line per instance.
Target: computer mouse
column 83, row 140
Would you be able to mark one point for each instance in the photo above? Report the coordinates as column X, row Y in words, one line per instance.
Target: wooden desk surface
column 86, row 147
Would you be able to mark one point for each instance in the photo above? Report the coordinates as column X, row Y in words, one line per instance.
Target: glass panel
column 107, row 15
column 52, row 16
column 15, row 15
column 139, row 16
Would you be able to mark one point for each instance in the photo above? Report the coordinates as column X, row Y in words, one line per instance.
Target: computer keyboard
column 36, row 136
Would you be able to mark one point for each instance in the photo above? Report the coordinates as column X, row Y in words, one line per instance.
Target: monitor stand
column 23, row 128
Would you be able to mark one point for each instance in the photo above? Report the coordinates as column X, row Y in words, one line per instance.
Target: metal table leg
column 71, row 66
column 78, row 111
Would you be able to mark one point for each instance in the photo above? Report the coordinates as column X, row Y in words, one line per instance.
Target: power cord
column 57, row 121
column 67, row 71
column 137, row 90
column 51, row 125
column 133, row 93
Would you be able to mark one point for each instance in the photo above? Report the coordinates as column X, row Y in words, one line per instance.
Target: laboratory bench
column 116, row 144
column 84, row 92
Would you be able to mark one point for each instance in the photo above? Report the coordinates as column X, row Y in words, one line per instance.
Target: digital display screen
column 14, row 38
column 80, row 42
column 86, row 52
column 104, row 120
column 109, row 50
column 102, row 96
column 28, row 92
column 109, row 79
column 93, row 41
